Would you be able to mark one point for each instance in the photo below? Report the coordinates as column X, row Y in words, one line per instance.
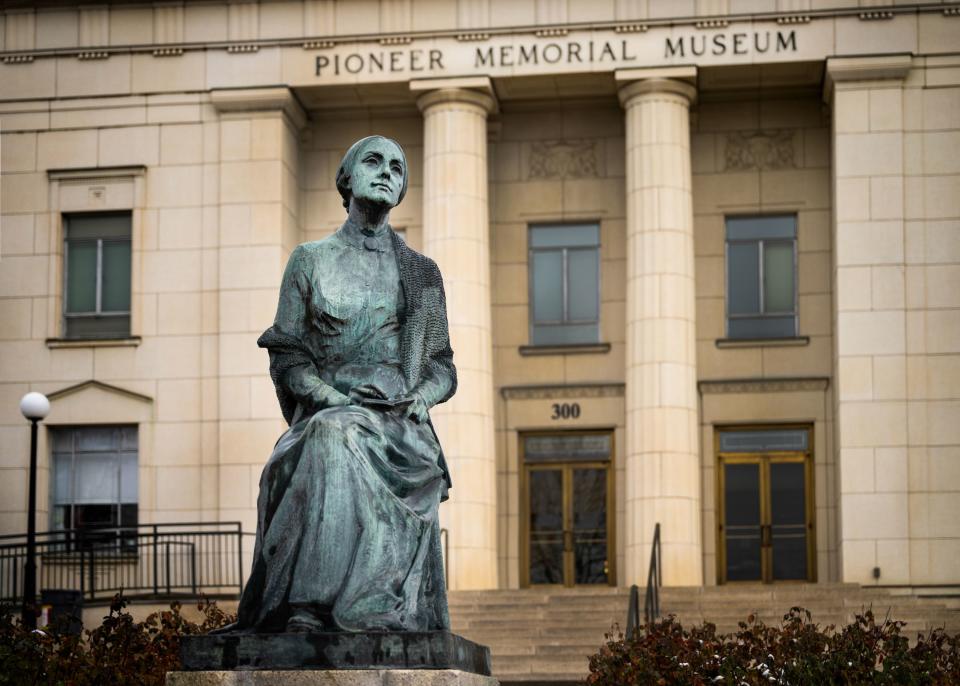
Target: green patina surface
column 348, row 537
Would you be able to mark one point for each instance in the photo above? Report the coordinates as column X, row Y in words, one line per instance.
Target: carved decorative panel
column 760, row 150
column 765, row 385
column 551, row 392
column 562, row 159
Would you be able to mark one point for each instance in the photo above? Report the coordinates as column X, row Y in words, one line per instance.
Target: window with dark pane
column 97, row 253
column 95, row 480
column 761, row 276
column 564, row 284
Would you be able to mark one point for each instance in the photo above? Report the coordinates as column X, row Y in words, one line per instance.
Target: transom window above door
column 761, row 277
column 564, row 265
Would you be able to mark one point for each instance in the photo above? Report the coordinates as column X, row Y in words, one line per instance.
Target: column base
column 336, row 677
column 374, row 650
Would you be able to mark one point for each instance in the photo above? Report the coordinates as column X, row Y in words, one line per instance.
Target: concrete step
column 550, row 664
column 547, row 636
column 538, row 679
column 538, row 642
column 553, row 616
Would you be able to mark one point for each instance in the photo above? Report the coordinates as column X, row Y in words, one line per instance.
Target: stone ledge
column 426, row 650
column 128, row 342
column 340, row 677
column 761, row 342
column 571, row 349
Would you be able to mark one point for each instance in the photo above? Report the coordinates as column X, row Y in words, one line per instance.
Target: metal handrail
column 633, row 611
column 60, row 533
column 146, row 561
column 445, row 545
column 651, row 602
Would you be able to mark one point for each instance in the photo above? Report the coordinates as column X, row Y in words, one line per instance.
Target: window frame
column 564, row 251
column 66, row 315
column 610, row 464
column 118, row 452
column 120, row 188
column 761, row 243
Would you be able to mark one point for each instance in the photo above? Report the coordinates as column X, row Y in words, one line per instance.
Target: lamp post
column 34, row 406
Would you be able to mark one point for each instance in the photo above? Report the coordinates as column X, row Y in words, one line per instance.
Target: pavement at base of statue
column 338, row 677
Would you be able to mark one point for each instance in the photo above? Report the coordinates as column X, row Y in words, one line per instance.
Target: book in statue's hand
column 387, row 403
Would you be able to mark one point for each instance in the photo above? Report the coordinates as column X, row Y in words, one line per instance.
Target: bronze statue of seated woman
column 347, row 533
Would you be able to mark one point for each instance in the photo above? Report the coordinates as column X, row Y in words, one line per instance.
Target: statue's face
column 377, row 176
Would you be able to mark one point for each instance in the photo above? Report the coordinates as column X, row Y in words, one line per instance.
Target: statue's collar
column 351, row 234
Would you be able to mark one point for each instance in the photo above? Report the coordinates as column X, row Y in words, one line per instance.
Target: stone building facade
column 702, row 260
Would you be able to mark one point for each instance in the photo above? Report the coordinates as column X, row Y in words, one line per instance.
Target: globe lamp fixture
column 34, row 406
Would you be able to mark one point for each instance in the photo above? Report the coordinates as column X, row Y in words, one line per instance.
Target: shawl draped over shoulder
column 427, row 357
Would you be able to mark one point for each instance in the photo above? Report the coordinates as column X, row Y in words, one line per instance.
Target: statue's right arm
column 303, row 380
column 312, row 392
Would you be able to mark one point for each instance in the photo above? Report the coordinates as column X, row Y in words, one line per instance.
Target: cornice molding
column 638, row 24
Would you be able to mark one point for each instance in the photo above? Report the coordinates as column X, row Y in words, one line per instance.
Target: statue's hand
column 328, row 397
column 417, row 410
column 364, row 392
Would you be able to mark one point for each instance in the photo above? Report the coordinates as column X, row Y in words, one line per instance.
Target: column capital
column 279, row 98
column 474, row 90
column 677, row 80
column 857, row 69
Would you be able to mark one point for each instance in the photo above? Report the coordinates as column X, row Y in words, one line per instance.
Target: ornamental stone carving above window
column 760, row 150
column 563, row 159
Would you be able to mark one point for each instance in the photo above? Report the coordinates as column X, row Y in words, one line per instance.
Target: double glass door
column 567, row 522
column 766, row 516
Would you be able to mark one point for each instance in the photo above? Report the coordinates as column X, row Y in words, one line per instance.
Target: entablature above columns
column 303, row 57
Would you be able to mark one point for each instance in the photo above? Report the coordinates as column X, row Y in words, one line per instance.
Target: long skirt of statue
column 348, row 537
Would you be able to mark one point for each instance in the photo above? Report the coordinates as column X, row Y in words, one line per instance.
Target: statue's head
column 374, row 170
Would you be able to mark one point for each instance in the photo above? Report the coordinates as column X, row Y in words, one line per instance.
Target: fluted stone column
column 456, row 235
column 663, row 463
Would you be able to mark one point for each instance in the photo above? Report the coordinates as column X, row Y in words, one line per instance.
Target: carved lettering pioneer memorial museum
column 701, row 260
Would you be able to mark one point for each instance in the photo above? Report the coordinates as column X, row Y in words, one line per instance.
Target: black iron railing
column 146, row 561
column 651, row 601
column 445, row 546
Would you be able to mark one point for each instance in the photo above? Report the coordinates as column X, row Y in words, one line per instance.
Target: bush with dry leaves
column 797, row 653
column 119, row 652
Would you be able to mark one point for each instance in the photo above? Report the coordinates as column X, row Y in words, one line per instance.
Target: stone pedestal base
column 374, row 650
column 336, row 677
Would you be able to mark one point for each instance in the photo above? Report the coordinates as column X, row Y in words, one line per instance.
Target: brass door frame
column 566, row 469
column 764, row 460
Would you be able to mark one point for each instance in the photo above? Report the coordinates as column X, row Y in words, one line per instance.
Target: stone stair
column 545, row 637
